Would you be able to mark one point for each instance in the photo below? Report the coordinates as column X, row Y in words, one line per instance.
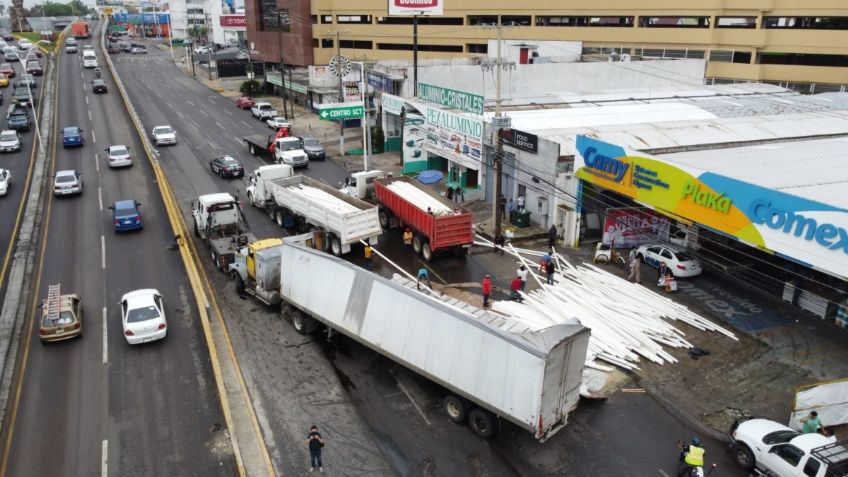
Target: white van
column 89, row 59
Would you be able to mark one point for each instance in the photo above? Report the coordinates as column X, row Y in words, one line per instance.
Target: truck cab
column 289, row 151
column 361, row 184
column 256, row 270
column 258, row 192
column 214, row 212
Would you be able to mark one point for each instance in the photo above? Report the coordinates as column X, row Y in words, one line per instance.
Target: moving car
column 34, row 67
column 313, row 148
column 10, row 141
column 26, row 80
column 72, row 137
column 164, row 135
column 113, row 49
column 71, row 49
column 278, row 122
column 126, row 216
column 680, row 263
column 4, row 80
column 138, row 50
column 22, row 95
column 143, row 316
column 71, row 41
column 119, row 156
column 227, row 166
column 6, row 35
column 245, row 102
column 98, row 86
column 24, row 44
column 61, row 316
column 5, row 181
column 7, row 69
column 67, row 182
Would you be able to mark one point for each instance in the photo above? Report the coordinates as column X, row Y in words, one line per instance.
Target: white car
column 164, row 135
column 5, row 181
column 119, row 156
column 24, row 44
column 143, row 316
column 278, row 122
column 263, row 111
column 680, row 263
column 201, row 50
column 10, row 141
column 776, row 450
column 67, row 182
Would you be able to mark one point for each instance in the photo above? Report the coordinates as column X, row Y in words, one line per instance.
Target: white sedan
column 119, row 156
column 164, row 135
column 143, row 316
column 678, row 261
column 5, row 181
column 278, row 122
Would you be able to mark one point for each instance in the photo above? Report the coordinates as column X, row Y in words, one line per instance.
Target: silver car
column 119, row 156
column 10, row 141
column 164, row 135
column 67, row 183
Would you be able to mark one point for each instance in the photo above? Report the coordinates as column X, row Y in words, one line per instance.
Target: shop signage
column 455, row 136
column 383, row 83
column 827, row 235
column 631, row 227
column 521, row 140
column 391, row 103
column 416, row 7
column 337, row 111
column 450, row 98
column 232, row 21
column 692, row 191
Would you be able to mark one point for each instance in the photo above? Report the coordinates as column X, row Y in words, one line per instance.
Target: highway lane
column 144, row 410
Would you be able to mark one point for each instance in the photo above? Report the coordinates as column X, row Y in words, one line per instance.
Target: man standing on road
column 487, row 290
column 552, row 236
column 423, row 274
column 550, row 268
column 315, row 443
column 812, row 424
column 369, row 260
column 515, row 289
column 407, row 240
column 635, row 271
column 522, row 274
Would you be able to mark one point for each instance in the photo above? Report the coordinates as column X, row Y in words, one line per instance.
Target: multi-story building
column 788, row 41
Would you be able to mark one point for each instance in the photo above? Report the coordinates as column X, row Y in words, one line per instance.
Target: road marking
column 86, row 100
column 237, row 140
column 228, row 112
column 104, row 458
column 203, row 113
column 103, row 251
column 100, row 197
column 189, row 102
column 409, row 396
column 105, row 340
column 248, row 125
column 632, row 390
column 220, row 126
column 212, row 101
column 83, row 86
column 439, row 277
column 212, row 144
column 180, row 114
column 93, row 137
column 733, row 103
column 89, row 115
column 662, row 473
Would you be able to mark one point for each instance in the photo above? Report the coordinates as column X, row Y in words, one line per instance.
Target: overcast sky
column 32, row 3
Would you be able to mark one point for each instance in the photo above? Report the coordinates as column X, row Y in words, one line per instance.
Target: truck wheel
column 456, row 408
column 417, row 243
column 216, row 261
column 426, row 252
column 482, row 422
column 460, row 252
column 743, row 456
column 286, row 311
column 196, row 231
column 239, row 283
column 384, row 219
column 335, row 245
column 278, row 217
column 250, row 199
column 252, row 149
column 301, row 322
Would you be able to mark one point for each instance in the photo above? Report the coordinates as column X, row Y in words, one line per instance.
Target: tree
column 377, row 138
column 196, row 32
column 250, row 88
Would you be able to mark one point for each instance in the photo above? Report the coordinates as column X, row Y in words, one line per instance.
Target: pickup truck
column 263, row 111
column 283, row 148
column 768, row 448
column 18, row 118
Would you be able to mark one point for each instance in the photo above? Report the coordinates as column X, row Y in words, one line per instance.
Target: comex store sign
column 827, row 235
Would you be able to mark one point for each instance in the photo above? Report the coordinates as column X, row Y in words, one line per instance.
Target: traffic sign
column 338, row 111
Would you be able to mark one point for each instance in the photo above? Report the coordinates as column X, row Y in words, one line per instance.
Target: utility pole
column 208, row 20
column 414, row 56
column 291, row 94
column 499, row 123
column 282, row 66
column 341, row 91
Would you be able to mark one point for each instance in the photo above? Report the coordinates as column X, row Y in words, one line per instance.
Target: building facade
column 280, row 27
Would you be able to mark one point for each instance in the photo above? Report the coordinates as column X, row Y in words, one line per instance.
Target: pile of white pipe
column 324, row 198
column 419, row 198
column 628, row 321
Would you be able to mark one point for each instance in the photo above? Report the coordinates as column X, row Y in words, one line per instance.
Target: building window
column 477, row 48
column 584, row 21
column 326, row 42
column 273, row 18
column 356, row 44
column 326, row 19
column 394, row 46
column 736, row 22
column 408, row 47
column 809, row 23
column 730, row 56
column 522, row 20
column 476, row 20
column 802, row 59
column 315, row 43
column 355, row 19
column 674, row 22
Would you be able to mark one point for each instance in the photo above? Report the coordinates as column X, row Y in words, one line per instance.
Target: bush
column 377, row 138
column 250, row 87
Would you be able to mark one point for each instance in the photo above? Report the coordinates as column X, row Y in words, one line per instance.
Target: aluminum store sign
column 416, row 7
column 455, row 136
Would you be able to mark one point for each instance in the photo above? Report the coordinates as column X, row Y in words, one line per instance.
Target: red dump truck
column 446, row 227
column 80, row 30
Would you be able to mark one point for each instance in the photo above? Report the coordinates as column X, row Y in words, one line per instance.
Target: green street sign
column 339, row 111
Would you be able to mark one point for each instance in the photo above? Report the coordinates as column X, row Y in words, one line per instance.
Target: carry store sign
column 807, row 231
column 455, row 136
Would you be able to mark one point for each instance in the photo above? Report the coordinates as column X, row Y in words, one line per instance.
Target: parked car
column 98, row 86
column 678, row 261
column 163, row 135
column 119, row 156
column 263, row 111
column 5, row 181
column 7, row 69
column 34, row 67
column 143, row 316
column 126, row 216
column 278, row 122
column 10, row 141
column 313, row 148
column 245, row 102
column 72, row 137
column 139, row 50
column 67, row 182
column 227, row 166
column 201, row 50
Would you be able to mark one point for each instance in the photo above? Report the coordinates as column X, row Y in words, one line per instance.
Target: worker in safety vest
column 691, row 456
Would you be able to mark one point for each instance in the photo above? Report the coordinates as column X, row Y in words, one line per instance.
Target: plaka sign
column 416, row 7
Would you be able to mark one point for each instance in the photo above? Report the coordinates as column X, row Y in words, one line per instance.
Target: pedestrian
column 635, row 265
column 543, row 263
column 515, row 289
column 522, row 274
column 369, row 260
column 661, row 273
column 520, row 203
column 487, row 290
column 503, row 206
column 550, row 268
column 407, row 240
column 449, row 193
column 316, row 443
column 812, row 424
column 499, row 242
column 552, row 236
column 423, row 274
column 459, row 194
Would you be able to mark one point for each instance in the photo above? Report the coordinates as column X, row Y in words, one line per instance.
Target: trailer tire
column 335, row 245
column 426, row 252
column 482, row 422
column 239, row 283
column 385, row 220
column 216, row 261
column 417, row 244
column 302, row 323
column 252, row 149
column 286, row 311
column 456, row 408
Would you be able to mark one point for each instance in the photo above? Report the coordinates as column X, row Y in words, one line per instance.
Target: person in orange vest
column 487, row 290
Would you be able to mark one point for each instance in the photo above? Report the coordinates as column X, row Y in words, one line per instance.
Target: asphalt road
column 365, row 403
column 95, row 404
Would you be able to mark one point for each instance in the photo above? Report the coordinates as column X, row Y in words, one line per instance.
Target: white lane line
column 96, row 162
column 89, row 115
column 180, row 114
column 103, row 251
column 105, row 339
column 93, row 137
column 783, row 100
column 237, row 140
column 82, row 74
column 229, row 112
column 203, row 113
column 189, row 102
column 662, row 473
column 83, row 86
column 248, row 125
column 104, row 458
column 220, row 125
column 212, row 101
column 212, row 144
column 414, row 404
column 100, row 197
column 86, row 100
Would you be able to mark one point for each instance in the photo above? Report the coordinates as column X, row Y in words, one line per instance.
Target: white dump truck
column 306, row 204
column 490, row 368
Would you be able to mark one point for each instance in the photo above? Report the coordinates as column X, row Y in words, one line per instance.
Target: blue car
column 126, row 216
column 72, row 137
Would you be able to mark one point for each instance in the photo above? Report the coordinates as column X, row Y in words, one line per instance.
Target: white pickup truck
column 768, row 448
column 263, row 111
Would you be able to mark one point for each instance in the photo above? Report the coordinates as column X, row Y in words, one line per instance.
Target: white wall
column 542, row 166
column 549, row 51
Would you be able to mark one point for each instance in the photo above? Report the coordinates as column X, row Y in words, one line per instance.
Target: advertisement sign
column 416, row 7
column 521, row 140
column 450, row 98
column 273, row 18
column 414, row 135
column 232, row 21
column 807, row 231
column 631, row 227
column 391, row 103
column 455, row 136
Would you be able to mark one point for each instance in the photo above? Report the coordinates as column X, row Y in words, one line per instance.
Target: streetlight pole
column 282, row 67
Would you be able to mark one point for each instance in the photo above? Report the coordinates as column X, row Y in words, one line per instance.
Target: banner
column 416, row 7
column 829, row 400
column 454, row 136
column 631, row 227
column 232, row 21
